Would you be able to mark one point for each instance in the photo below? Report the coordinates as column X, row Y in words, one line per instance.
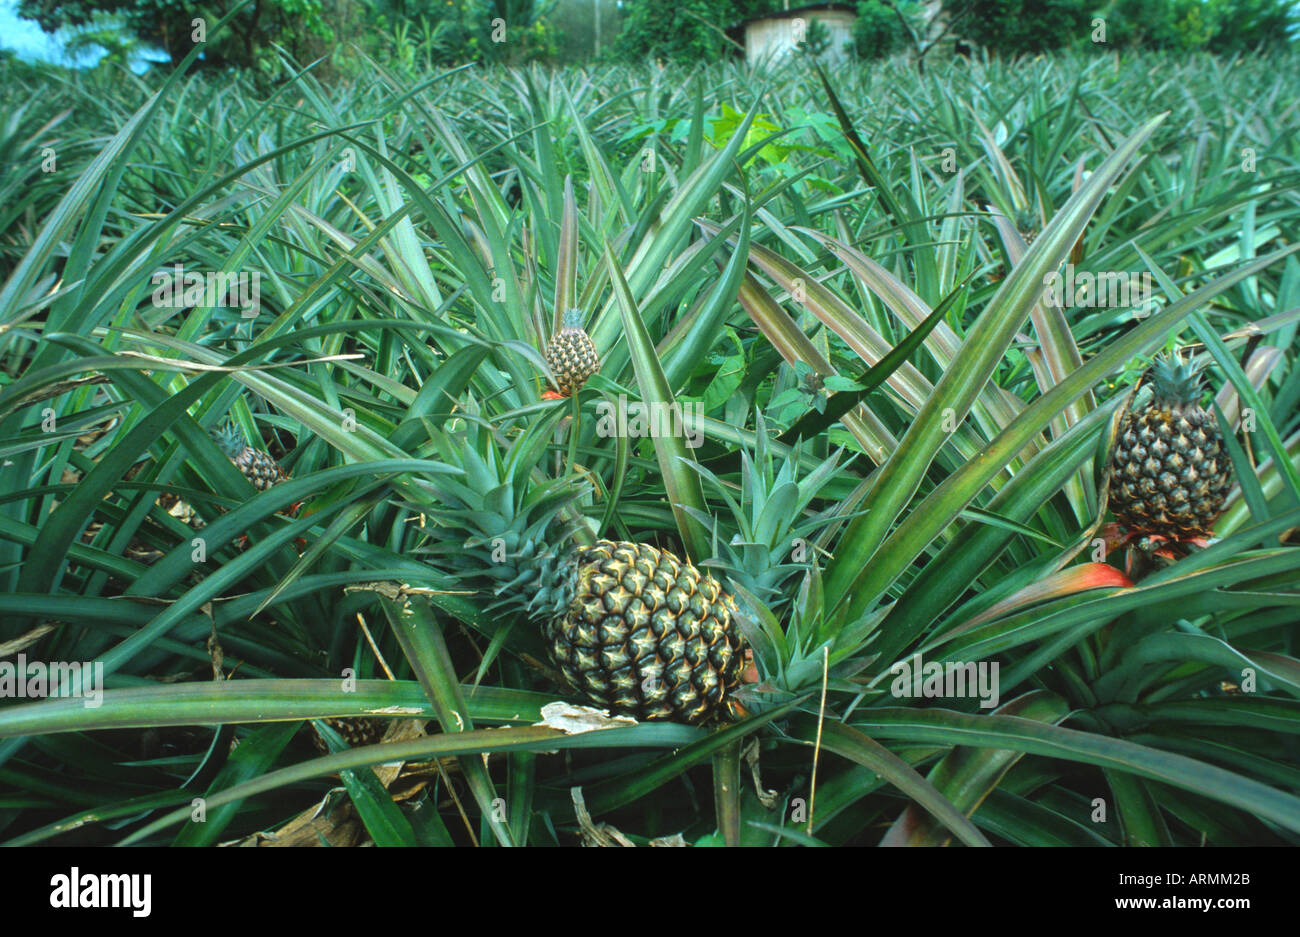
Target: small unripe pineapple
column 571, row 355
column 1170, row 473
column 1026, row 224
column 357, row 731
column 261, row 470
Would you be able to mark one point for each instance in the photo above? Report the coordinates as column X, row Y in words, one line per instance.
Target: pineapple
column 571, row 355
column 356, row 731
column 631, row 627
column 644, row 633
column 257, row 466
column 1170, row 474
column 1026, row 223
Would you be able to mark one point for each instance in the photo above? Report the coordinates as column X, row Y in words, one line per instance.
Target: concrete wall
column 775, row 38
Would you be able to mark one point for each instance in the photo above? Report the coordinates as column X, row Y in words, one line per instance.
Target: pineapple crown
column 573, row 319
column 771, row 517
column 506, row 533
column 229, row 438
column 1175, row 382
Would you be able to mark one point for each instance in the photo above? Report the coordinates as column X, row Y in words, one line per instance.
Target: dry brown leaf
column 574, row 720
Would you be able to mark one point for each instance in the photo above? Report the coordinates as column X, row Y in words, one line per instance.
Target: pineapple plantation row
column 362, row 442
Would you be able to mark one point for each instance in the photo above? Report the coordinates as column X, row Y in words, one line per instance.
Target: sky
column 27, row 39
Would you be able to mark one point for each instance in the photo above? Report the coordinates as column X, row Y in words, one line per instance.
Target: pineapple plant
column 1170, row 473
column 630, row 626
column 775, row 536
column 261, row 470
column 571, row 355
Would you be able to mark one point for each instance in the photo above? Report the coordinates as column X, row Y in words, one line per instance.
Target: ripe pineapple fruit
column 571, row 355
column 1170, row 473
column 261, row 470
column 628, row 625
column 644, row 633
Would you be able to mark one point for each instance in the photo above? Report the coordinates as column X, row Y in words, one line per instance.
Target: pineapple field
column 623, row 455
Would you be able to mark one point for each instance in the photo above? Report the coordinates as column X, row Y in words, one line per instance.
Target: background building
column 827, row 29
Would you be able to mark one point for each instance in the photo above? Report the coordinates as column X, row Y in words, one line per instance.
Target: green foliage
column 436, row 33
column 1220, row 26
column 514, row 31
column 1015, row 27
column 106, row 35
column 1171, row 24
column 858, row 334
column 454, row 32
column 305, row 28
column 576, row 23
column 877, row 31
column 817, row 38
column 1249, row 25
column 685, row 31
column 671, row 30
